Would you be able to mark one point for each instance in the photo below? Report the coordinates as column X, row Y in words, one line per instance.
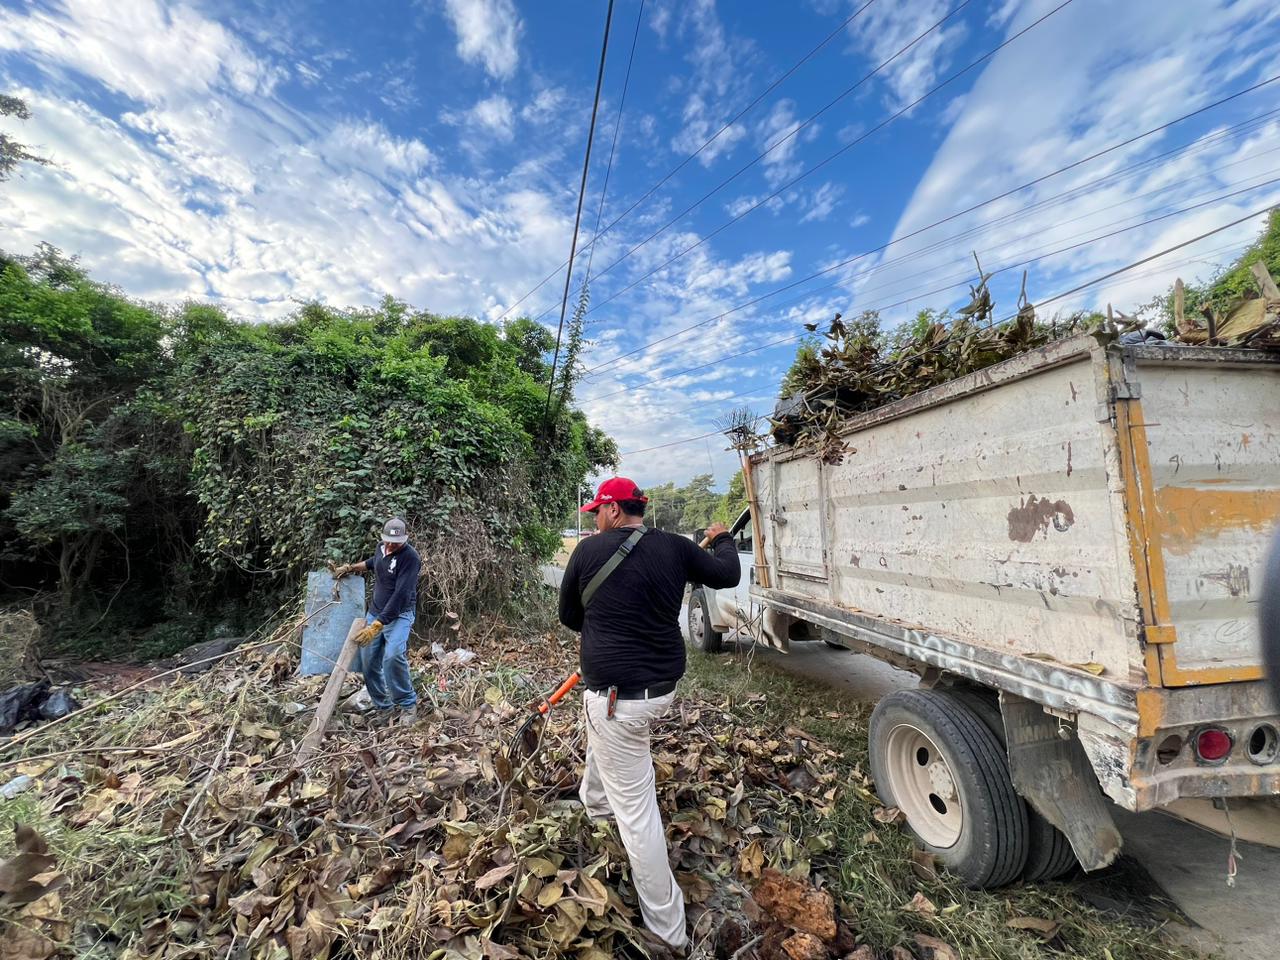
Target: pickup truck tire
column 937, row 761
column 1049, row 853
column 701, row 634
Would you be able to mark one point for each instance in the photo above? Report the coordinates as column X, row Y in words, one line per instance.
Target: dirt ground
column 567, row 545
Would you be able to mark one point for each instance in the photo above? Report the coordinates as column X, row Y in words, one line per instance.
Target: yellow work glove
column 368, row 633
column 342, row 571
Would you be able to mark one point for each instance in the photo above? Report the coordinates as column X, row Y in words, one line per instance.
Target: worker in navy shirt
column 384, row 642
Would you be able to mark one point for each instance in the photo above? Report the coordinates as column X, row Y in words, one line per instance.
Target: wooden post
column 1179, row 302
column 329, row 699
column 757, row 527
column 1267, row 285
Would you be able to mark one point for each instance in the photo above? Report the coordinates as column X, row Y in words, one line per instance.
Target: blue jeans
column 384, row 661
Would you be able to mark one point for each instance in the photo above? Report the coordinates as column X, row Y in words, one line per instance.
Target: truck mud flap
column 1054, row 776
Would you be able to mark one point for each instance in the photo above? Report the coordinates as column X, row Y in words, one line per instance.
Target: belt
column 648, row 693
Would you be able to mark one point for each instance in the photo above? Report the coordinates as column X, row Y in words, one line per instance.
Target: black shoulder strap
column 611, row 565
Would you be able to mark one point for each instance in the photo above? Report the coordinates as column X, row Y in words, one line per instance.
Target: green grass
column 875, row 880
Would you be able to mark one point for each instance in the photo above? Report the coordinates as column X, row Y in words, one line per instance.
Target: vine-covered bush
column 163, row 467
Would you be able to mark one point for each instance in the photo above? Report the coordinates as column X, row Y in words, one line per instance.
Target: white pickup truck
column 1068, row 548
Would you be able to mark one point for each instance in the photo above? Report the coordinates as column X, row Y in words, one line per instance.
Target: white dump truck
column 1068, row 547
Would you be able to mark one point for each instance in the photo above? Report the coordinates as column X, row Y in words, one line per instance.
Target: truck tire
column 702, row 636
column 1049, row 853
column 936, row 761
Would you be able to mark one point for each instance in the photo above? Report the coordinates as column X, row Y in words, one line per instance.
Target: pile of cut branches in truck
column 857, row 367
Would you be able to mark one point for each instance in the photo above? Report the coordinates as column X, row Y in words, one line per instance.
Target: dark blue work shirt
column 395, row 582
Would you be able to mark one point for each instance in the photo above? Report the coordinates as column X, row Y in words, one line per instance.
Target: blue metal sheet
column 328, row 620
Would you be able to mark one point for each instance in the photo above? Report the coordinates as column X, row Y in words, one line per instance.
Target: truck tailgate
column 1209, row 425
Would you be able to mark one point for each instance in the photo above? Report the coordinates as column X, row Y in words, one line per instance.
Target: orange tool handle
column 560, row 694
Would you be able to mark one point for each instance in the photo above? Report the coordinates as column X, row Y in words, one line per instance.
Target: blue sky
column 252, row 154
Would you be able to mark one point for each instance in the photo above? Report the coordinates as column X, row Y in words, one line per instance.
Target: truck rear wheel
column 701, row 634
column 1049, row 853
column 936, row 761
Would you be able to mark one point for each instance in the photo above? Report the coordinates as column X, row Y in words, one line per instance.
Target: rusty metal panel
column 1213, row 439
column 988, row 516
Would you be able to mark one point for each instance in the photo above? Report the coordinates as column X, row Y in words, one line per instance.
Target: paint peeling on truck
column 993, row 530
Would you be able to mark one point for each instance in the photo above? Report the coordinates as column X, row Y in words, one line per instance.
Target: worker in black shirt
column 631, row 656
column 384, row 642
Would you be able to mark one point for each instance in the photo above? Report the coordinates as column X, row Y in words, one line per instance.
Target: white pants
column 619, row 780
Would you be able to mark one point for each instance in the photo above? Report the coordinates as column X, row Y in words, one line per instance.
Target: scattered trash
column 58, row 704
column 360, row 701
column 16, row 786
column 456, row 658
column 22, row 703
column 196, row 658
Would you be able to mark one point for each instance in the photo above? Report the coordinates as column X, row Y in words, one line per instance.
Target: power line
column 963, row 278
column 814, row 169
column 758, row 389
column 937, row 223
column 608, row 167
column 967, row 277
column 577, row 219
column 1043, row 303
column 706, row 143
column 779, row 142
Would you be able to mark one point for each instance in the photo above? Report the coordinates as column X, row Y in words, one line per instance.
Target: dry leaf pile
column 175, row 827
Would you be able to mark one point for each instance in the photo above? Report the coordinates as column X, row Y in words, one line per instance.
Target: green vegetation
column 167, row 472
column 12, row 152
column 1229, row 284
column 694, row 506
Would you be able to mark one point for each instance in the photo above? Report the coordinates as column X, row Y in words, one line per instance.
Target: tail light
column 1213, row 744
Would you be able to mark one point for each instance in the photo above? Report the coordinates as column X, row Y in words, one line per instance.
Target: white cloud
column 823, row 202
column 214, row 188
column 544, row 106
column 718, row 83
column 488, row 33
column 886, row 28
column 860, row 219
column 778, row 135
column 495, row 115
column 1075, row 97
column 140, row 48
column 740, row 205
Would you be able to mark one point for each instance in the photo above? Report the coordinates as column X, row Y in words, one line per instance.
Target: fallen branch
column 23, row 738
column 329, row 699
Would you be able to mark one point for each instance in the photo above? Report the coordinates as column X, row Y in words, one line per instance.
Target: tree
column 210, row 464
column 700, row 503
column 803, row 368
column 12, row 152
column 1228, row 284
column 731, row 505
column 74, row 360
column 531, row 342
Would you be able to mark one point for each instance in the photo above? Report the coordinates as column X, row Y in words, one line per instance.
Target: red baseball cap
column 612, row 490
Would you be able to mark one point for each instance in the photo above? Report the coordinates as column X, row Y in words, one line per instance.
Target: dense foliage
column 1227, row 285
column 694, row 506
column 160, row 469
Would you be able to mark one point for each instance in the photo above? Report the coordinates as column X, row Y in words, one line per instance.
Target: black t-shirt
column 631, row 633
